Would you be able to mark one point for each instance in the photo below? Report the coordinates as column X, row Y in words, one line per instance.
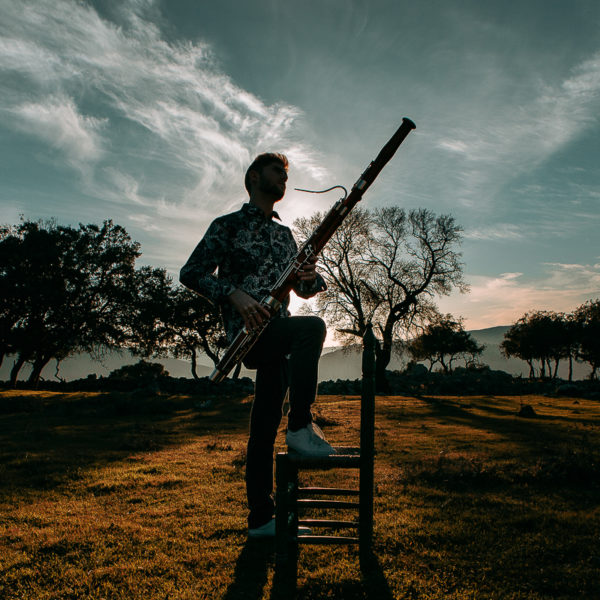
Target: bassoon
column 245, row 339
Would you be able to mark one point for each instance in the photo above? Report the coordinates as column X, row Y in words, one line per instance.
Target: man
column 249, row 250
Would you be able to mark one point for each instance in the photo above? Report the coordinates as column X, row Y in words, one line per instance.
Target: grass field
column 117, row 496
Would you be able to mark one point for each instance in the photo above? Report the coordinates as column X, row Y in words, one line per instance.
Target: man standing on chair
column 249, row 250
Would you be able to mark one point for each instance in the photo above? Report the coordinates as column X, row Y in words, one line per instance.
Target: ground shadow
column 528, row 432
column 257, row 558
column 46, row 440
column 251, row 570
column 371, row 585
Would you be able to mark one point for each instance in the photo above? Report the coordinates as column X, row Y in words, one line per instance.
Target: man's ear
column 253, row 177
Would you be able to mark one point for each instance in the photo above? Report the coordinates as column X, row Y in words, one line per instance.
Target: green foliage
column 195, row 323
column 443, row 341
column 546, row 337
column 141, row 371
column 68, row 290
column 587, row 319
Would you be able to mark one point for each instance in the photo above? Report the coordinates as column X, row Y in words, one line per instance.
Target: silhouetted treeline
column 544, row 338
column 148, row 381
column 67, row 290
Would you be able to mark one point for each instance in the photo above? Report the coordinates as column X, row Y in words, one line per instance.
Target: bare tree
column 386, row 266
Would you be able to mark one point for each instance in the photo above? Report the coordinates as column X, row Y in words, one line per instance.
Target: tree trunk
column 570, row 368
column 383, row 355
column 444, row 366
column 531, row 369
column 194, row 364
column 38, row 365
column 556, row 363
column 57, row 371
column 382, row 360
column 14, row 373
column 236, row 371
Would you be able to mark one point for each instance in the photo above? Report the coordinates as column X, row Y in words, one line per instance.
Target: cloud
column 58, row 122
column 499, row 140
column 498, row 231
column 159, row 112
column 502, row 299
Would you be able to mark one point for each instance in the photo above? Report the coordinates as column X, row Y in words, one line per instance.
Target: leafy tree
column 11, row 281
column 149, row 327
column 443, row 341
column 570, row 341
column 587, row 318
column 385, row 266
column 72, row 288
column 142, row 370
column 519, row 342
column 542, row 336
column 195, row 323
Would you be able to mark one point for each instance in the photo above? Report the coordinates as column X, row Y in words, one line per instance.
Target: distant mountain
column 346, row 363
column 335, row 363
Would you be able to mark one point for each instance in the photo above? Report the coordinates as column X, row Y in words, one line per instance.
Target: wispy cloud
column 497, row 141
column 149, row 118
column 499, row 231
column 58, row 122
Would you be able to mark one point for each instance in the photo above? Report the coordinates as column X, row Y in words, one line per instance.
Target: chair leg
column 293, row 511
column 365, row 518
column 281, row 509
column 286, row 530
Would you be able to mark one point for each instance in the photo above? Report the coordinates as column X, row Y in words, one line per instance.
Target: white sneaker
column 309, row 441
column 268, row 530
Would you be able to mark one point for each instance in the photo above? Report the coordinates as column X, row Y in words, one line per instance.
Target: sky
column 148, row 112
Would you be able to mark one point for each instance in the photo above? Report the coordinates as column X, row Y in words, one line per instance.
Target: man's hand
column 309, row 271
column 253, row 312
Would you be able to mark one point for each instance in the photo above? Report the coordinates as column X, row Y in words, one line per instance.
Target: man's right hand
column 253, row 312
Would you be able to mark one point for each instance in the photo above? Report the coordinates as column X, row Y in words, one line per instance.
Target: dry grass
column 112, row 496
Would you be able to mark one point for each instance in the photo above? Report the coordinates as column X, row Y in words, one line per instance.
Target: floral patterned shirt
column 248, row 251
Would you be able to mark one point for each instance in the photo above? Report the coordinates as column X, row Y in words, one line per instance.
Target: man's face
column 272, row 180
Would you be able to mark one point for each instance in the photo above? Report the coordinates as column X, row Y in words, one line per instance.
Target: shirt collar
column 255, row 211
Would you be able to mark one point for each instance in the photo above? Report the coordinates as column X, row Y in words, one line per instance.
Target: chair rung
column 334, row 461
column 327, row 504
column 327, row 523
column 326, row 539
column 327, row 491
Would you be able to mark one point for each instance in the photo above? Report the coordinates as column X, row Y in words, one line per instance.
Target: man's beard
column 271, row 189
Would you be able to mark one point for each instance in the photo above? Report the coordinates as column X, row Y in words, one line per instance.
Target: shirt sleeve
column 198, row 273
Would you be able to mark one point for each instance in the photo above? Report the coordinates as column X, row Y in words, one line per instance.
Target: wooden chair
column 292, row 499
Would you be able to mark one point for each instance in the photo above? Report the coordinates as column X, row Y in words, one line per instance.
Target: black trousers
column 285, row 356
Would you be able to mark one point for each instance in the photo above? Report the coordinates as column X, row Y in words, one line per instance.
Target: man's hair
column 261, row 161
